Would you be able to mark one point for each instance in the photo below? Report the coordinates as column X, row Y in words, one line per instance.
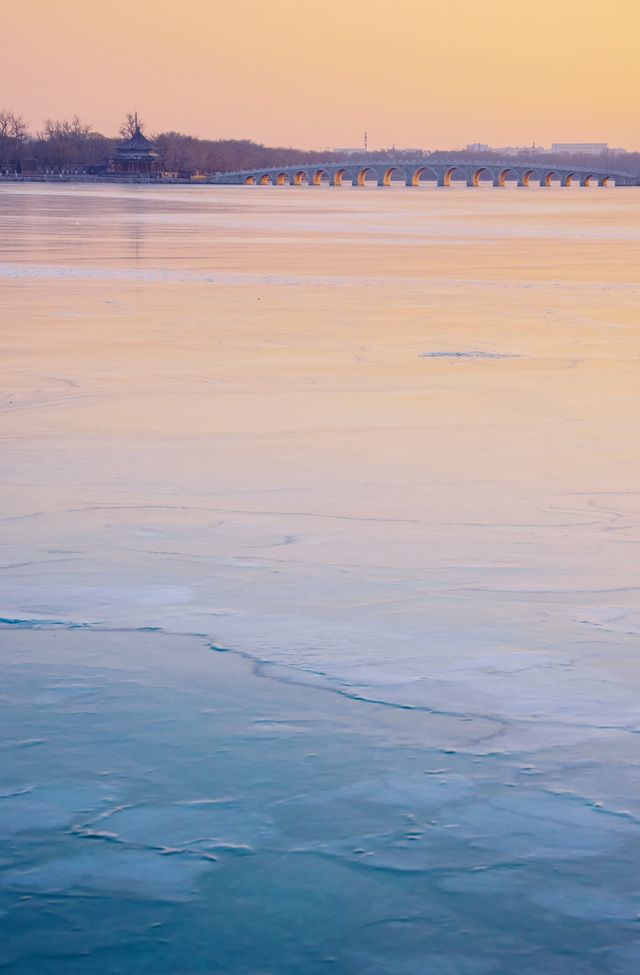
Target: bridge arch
column 388, row 174
column 607, row 181
column 265, row 179
column 547, row 177
column 510, row 175
column 341, row 174
column 299, row 178
column 450, row 173
column 283, row 179
column 318, row 175
column 250, row 181
column 476, row 176
column 362, row 175
column 426, row 172
column 569, row 179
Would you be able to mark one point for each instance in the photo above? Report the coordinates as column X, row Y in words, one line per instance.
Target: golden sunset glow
column 422, row 74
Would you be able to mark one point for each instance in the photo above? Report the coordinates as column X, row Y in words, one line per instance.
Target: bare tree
column 13, row 134
column 69, row 144
column 130, row 124
column 73, row 130
column 12, row 126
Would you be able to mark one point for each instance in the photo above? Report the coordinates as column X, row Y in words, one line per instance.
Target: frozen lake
column 381, row 448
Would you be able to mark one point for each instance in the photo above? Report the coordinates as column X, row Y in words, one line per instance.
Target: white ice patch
column 472, row 354
column 196, row 827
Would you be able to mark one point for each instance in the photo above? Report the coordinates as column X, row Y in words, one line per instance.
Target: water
column 379, row 447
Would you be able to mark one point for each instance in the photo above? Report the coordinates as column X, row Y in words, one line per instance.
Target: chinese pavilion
column 136, row 157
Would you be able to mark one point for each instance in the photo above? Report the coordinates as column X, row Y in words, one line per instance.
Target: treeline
column 66, row 145
column 73, row 146
column 186, row 155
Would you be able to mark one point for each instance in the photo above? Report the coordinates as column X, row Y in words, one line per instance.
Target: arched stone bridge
column 415, row 172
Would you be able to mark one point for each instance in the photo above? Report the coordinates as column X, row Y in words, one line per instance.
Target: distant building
column 136, row 157
column 504, row 150
column 581, row 148
column 568, row 148
column 30, row 167
column 355, row 151
column 519, row 150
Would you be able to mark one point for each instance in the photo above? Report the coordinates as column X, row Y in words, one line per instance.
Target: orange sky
column 426, row 74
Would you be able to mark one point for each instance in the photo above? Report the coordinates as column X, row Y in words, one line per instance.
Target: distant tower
column 366, row 143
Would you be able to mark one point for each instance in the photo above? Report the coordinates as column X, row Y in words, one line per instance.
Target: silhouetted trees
column 186, row 154
column 71, row 145
column 13, row 134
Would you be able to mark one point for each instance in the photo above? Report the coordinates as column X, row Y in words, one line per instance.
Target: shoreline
column 113, row 180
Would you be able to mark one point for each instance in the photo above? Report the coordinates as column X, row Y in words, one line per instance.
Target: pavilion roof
column 137, row 143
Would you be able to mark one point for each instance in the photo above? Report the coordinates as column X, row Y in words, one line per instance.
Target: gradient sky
column 425, row 74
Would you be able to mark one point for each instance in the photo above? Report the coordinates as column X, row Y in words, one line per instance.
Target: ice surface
column 127, row 873
column 350, row 836
column 472, row 354
column 584, row 902
column 48, row 807
column 198, row 827
column 317, row 655
column 544, row 826
column 435, row 964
